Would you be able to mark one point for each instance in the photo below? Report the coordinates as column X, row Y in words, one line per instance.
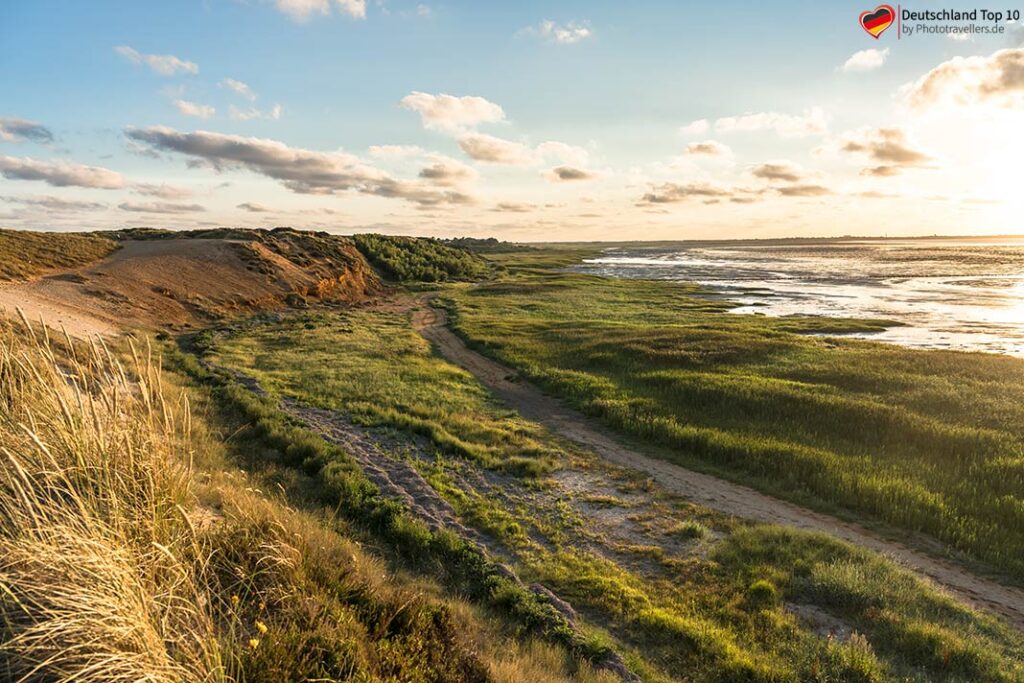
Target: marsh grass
column 724, row 615
column 925, row 441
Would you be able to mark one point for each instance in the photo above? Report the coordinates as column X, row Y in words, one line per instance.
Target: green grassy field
column 689, row 595
column 924, row 441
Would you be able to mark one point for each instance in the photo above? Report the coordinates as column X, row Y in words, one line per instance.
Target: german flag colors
column 877, row 20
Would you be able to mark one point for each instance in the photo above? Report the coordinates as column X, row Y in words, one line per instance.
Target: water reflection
column 966, row 294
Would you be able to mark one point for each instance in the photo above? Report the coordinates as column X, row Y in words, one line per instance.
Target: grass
column 24, row 255
column 131, row 549
column 386, row 377
column 924, row 441
column 721, row 609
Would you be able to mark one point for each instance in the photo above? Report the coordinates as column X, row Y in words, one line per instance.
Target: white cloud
column 698, row 127
column 202, row 111
column 811, row 122
column 866, row 60
column 300, row 170
column 450, row 113
column 162, row 191
column 16, row 130
column 51, row 203
column 446, row 172
column 494, row 150
column 60, row 174
column 239, row 88
column 563, row 34
column 302, row 10
column 165, row 65
column 965, row 81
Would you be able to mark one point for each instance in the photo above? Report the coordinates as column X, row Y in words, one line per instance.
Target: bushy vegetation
column 25, row 255
column 489, row 245
column 926, row 441
column 419, row 259
column 729, row 611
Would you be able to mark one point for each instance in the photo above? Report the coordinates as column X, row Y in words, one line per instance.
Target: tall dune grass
column 99, row 562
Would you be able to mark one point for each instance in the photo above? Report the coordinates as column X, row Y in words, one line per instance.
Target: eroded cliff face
column 165, row 280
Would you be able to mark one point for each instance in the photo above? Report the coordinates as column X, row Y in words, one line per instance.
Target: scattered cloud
column 562, row 34
column 16, row 130
column 239, row 88
column 670, row 193
column 447, row 172
column 889, row 147
column 707, row 148
column 865, row 60
column 159, row 207
column 802, row 190
column 60, row 174
column 490, row 149
column 162, row 191
column 811, row 122
column 165, row 65
column 698, row 127
column 273, row 114
column 202, row 111
column 494, row 150
column 513, row 207
column 997, row 80
column 778, row 171
column 253, row 207
column 568, row 173
column 301, row 10
column 300, row 170
column 450, row 113
column 52, row 203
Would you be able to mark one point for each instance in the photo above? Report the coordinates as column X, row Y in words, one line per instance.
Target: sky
column 521, row 120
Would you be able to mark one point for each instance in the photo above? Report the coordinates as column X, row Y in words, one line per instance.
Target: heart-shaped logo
column 877, row 20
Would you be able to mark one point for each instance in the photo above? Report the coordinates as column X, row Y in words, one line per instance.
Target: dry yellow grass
column 98, row 576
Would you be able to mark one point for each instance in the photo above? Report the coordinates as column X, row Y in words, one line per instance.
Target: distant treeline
column 419, row 259
column 489, row 245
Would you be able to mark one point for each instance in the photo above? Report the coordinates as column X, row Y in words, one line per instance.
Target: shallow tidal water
column 949, row 294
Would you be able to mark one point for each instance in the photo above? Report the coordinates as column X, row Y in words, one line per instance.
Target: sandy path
column 707, row 490
column 52, row 312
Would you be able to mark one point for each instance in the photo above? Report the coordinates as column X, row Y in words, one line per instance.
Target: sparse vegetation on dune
column 417, row 259
column 25, row 255
column 925, row 441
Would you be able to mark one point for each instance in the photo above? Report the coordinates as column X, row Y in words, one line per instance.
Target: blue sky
column 568, row 120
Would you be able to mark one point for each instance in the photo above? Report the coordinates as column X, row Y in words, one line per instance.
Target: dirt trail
column 707, row 490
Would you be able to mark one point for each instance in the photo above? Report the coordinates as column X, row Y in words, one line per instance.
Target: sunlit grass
column 727, row 617
column 926, row 441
